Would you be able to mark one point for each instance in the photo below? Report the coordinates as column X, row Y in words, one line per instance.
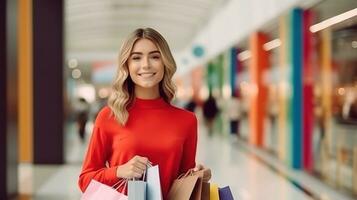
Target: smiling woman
column 146, row 69
column 143, row 45
column 139, row 125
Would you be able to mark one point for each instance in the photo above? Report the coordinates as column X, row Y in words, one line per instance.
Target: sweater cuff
column 112, row 174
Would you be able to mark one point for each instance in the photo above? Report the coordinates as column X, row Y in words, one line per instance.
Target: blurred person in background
column 140, row 125
column 82, row 114
column 234, row 115
column 191, row 105
column 210, row 111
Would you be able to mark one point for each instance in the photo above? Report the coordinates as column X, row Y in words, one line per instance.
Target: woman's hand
column 134, row 168
column 206, row 172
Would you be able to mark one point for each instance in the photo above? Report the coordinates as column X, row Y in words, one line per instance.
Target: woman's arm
column 94, row 163
column 188, row 160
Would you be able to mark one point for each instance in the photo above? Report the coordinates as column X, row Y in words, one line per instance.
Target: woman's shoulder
column 104, row 115
column 182, row 113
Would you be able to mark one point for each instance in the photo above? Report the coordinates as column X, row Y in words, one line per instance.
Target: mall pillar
column 296, row 104
column 48, row 97
column 8, row 100
column 283, row 90
column 233, row 72
column 326, row 94
column 308, row 86
column 25, row 88
column 258, row 67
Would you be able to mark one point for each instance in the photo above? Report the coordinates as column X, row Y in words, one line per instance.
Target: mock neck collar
column 149, row 103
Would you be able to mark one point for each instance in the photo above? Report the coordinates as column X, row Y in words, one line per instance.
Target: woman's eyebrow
column 141, row 53
column 132, row 53
column 151, row 52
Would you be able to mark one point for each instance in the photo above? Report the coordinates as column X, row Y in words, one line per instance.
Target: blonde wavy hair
column 122, row 94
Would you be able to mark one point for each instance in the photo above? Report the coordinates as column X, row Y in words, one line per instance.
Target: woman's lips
column 147, row 74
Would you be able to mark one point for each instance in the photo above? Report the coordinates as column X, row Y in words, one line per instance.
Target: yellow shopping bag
column 213, row 192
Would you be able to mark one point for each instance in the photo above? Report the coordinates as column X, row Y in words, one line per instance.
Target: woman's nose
column 145, row 63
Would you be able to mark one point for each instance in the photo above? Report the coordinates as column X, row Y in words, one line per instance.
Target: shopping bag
column 225, row 193
column 213, row 194
column 136, row 190
column 187, row 186
column 153, row 188
column 197, row 190
column 205, row 191
column 205, row 174
column 97, row 190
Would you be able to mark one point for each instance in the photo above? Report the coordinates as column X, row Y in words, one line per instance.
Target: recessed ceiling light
column 76, row 73
column 72, row 63
column 354, row 44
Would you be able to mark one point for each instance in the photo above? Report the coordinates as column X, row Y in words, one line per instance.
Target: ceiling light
column 272, row 44
column 333, row 20
column 244, row 55
column 354, row 44
column 76, row 73
column 73, row 63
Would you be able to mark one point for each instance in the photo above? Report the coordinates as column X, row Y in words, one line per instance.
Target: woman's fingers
column 143, row 160
column 207, row 175
column 139, row 165
column 198, row 167
column 206, row 172
column 140, row 162
column 134, row 168
column 137, row 175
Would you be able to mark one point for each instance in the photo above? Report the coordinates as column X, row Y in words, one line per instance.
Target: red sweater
column 155, row 129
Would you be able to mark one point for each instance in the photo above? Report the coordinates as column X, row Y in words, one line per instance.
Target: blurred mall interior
column 283, row 74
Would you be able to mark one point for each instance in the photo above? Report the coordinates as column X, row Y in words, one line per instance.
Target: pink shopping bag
column 100, row 191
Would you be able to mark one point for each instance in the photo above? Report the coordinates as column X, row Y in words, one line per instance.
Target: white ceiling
column 97, row 27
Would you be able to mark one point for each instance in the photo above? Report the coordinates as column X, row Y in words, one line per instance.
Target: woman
column 139, row 125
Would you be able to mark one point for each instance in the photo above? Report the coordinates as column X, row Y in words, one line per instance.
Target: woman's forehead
column 144, row 45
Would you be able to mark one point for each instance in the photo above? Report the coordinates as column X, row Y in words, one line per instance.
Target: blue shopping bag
column 153, row 189
column 137, row 190
column 225, row 193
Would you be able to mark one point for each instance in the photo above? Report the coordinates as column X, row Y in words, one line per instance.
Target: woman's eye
column 156, row 57
column 136, row 58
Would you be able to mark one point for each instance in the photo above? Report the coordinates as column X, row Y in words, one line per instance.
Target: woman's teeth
column 147, row 74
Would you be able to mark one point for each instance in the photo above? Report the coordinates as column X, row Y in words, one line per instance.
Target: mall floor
column 251, row 173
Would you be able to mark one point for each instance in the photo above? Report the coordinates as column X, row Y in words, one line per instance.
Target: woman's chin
column 148, row 85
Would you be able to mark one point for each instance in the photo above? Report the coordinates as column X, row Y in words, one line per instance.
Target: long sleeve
column 166, row 135
column 190, row 146
column 94, row 164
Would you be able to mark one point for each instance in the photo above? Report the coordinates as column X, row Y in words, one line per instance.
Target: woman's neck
column 147, row 93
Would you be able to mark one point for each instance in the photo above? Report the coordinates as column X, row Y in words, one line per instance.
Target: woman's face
column 145, row 64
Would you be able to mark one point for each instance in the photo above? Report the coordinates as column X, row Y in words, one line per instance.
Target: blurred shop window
column 345, row 71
